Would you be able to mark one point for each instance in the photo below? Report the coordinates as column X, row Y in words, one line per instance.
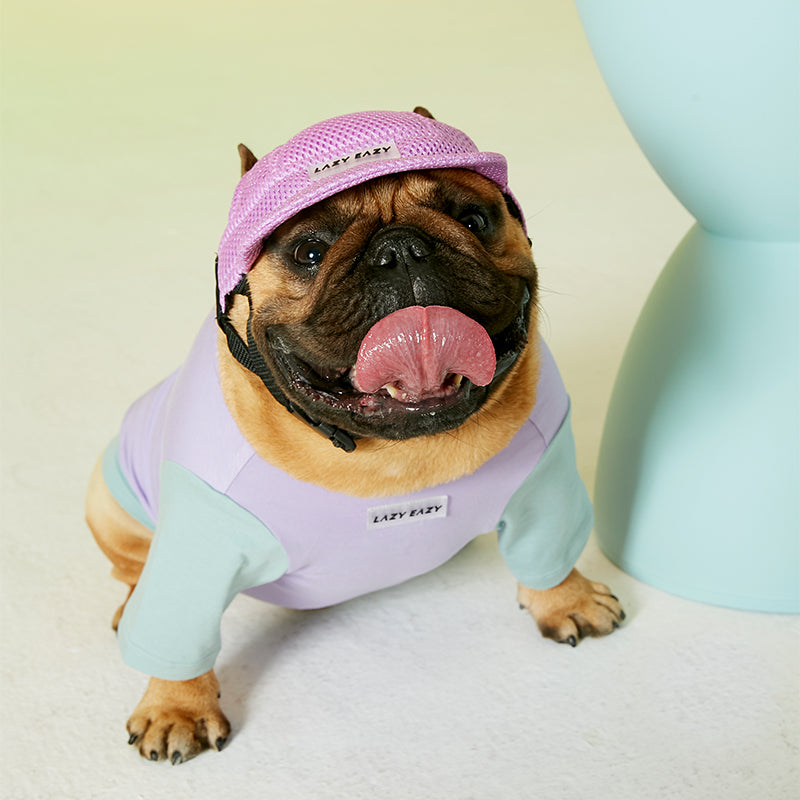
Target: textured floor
column 119, row 129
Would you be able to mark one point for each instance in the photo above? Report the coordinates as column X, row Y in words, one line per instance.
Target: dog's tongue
column 415, row 349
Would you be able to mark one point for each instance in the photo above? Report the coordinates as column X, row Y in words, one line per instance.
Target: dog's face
column 440, row 238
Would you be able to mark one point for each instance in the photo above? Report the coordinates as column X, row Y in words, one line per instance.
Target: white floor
column 119, row 129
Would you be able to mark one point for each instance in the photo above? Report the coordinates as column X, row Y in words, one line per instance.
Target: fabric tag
column 381, row 152
column 410, row 511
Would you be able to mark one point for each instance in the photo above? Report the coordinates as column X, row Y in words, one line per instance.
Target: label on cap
column 410, row 511
column 380, row 152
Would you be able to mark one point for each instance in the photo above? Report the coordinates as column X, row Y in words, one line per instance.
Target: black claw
column 572, row 641
column 622, row 615
column 221, row 742
column 153, row 755
column 132, row 738
column 615, row 597
column 176, row 757
column 521, row 607
column 615, row 624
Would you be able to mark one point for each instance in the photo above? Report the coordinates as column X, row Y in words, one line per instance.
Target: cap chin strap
column 249, row 356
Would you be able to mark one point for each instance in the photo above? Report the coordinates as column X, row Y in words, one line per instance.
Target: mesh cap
column 332, row 156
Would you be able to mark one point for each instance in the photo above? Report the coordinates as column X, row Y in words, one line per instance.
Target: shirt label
column 410, row 511
column 381, row 152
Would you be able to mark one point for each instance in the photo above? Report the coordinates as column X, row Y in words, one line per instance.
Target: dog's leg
column 123, row 539
column 179, row 719
column 575, row 608
column 174, row 719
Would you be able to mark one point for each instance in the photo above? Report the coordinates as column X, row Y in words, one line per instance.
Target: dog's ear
column 247, row 158
column 423, row 112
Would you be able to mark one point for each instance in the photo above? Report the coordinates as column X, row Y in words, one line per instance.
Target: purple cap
column 329, row 157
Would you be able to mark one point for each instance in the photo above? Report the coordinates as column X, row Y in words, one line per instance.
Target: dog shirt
column 226, row 521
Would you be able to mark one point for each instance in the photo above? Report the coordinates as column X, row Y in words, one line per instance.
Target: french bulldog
column 369, row 395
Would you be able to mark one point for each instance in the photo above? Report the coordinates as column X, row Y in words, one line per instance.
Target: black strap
column 249, row 356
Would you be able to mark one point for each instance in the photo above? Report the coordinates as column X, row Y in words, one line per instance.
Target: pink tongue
column 417, row 347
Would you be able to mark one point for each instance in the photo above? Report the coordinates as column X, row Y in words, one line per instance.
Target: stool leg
column 698, row 478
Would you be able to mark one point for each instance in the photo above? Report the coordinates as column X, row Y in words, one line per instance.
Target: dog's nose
column 400, row 246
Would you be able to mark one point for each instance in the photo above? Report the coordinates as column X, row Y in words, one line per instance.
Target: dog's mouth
column 419, row 370
column 341, row 391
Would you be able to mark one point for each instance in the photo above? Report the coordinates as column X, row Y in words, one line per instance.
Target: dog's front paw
column 179, row 719
column 575, row 608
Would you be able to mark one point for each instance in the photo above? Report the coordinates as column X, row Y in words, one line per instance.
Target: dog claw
column 220, row 743
column 153, row 755
column 176, row 758
column 572, row 641
column 132, row 738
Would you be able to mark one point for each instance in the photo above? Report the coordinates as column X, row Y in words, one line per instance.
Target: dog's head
column 392, row 308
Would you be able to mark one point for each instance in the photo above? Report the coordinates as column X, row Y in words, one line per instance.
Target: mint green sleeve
column 547, row 521
column 205, row 550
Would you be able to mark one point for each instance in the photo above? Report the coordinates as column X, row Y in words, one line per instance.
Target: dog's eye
column 473, row 221
column 310, row 253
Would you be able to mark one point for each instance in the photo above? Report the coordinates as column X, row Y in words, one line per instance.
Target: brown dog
column 325, row 312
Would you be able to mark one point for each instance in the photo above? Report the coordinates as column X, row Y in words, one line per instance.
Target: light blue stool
column 698, row 477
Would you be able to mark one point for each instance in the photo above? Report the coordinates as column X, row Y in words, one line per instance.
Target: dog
column 369, row 395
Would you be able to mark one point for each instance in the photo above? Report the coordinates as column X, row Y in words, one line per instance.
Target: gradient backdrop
column 120, row 122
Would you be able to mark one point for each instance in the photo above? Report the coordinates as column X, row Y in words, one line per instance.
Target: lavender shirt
column 226, row 521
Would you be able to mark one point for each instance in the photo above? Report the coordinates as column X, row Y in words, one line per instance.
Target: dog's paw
column 575, row 608
column 177, row 720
